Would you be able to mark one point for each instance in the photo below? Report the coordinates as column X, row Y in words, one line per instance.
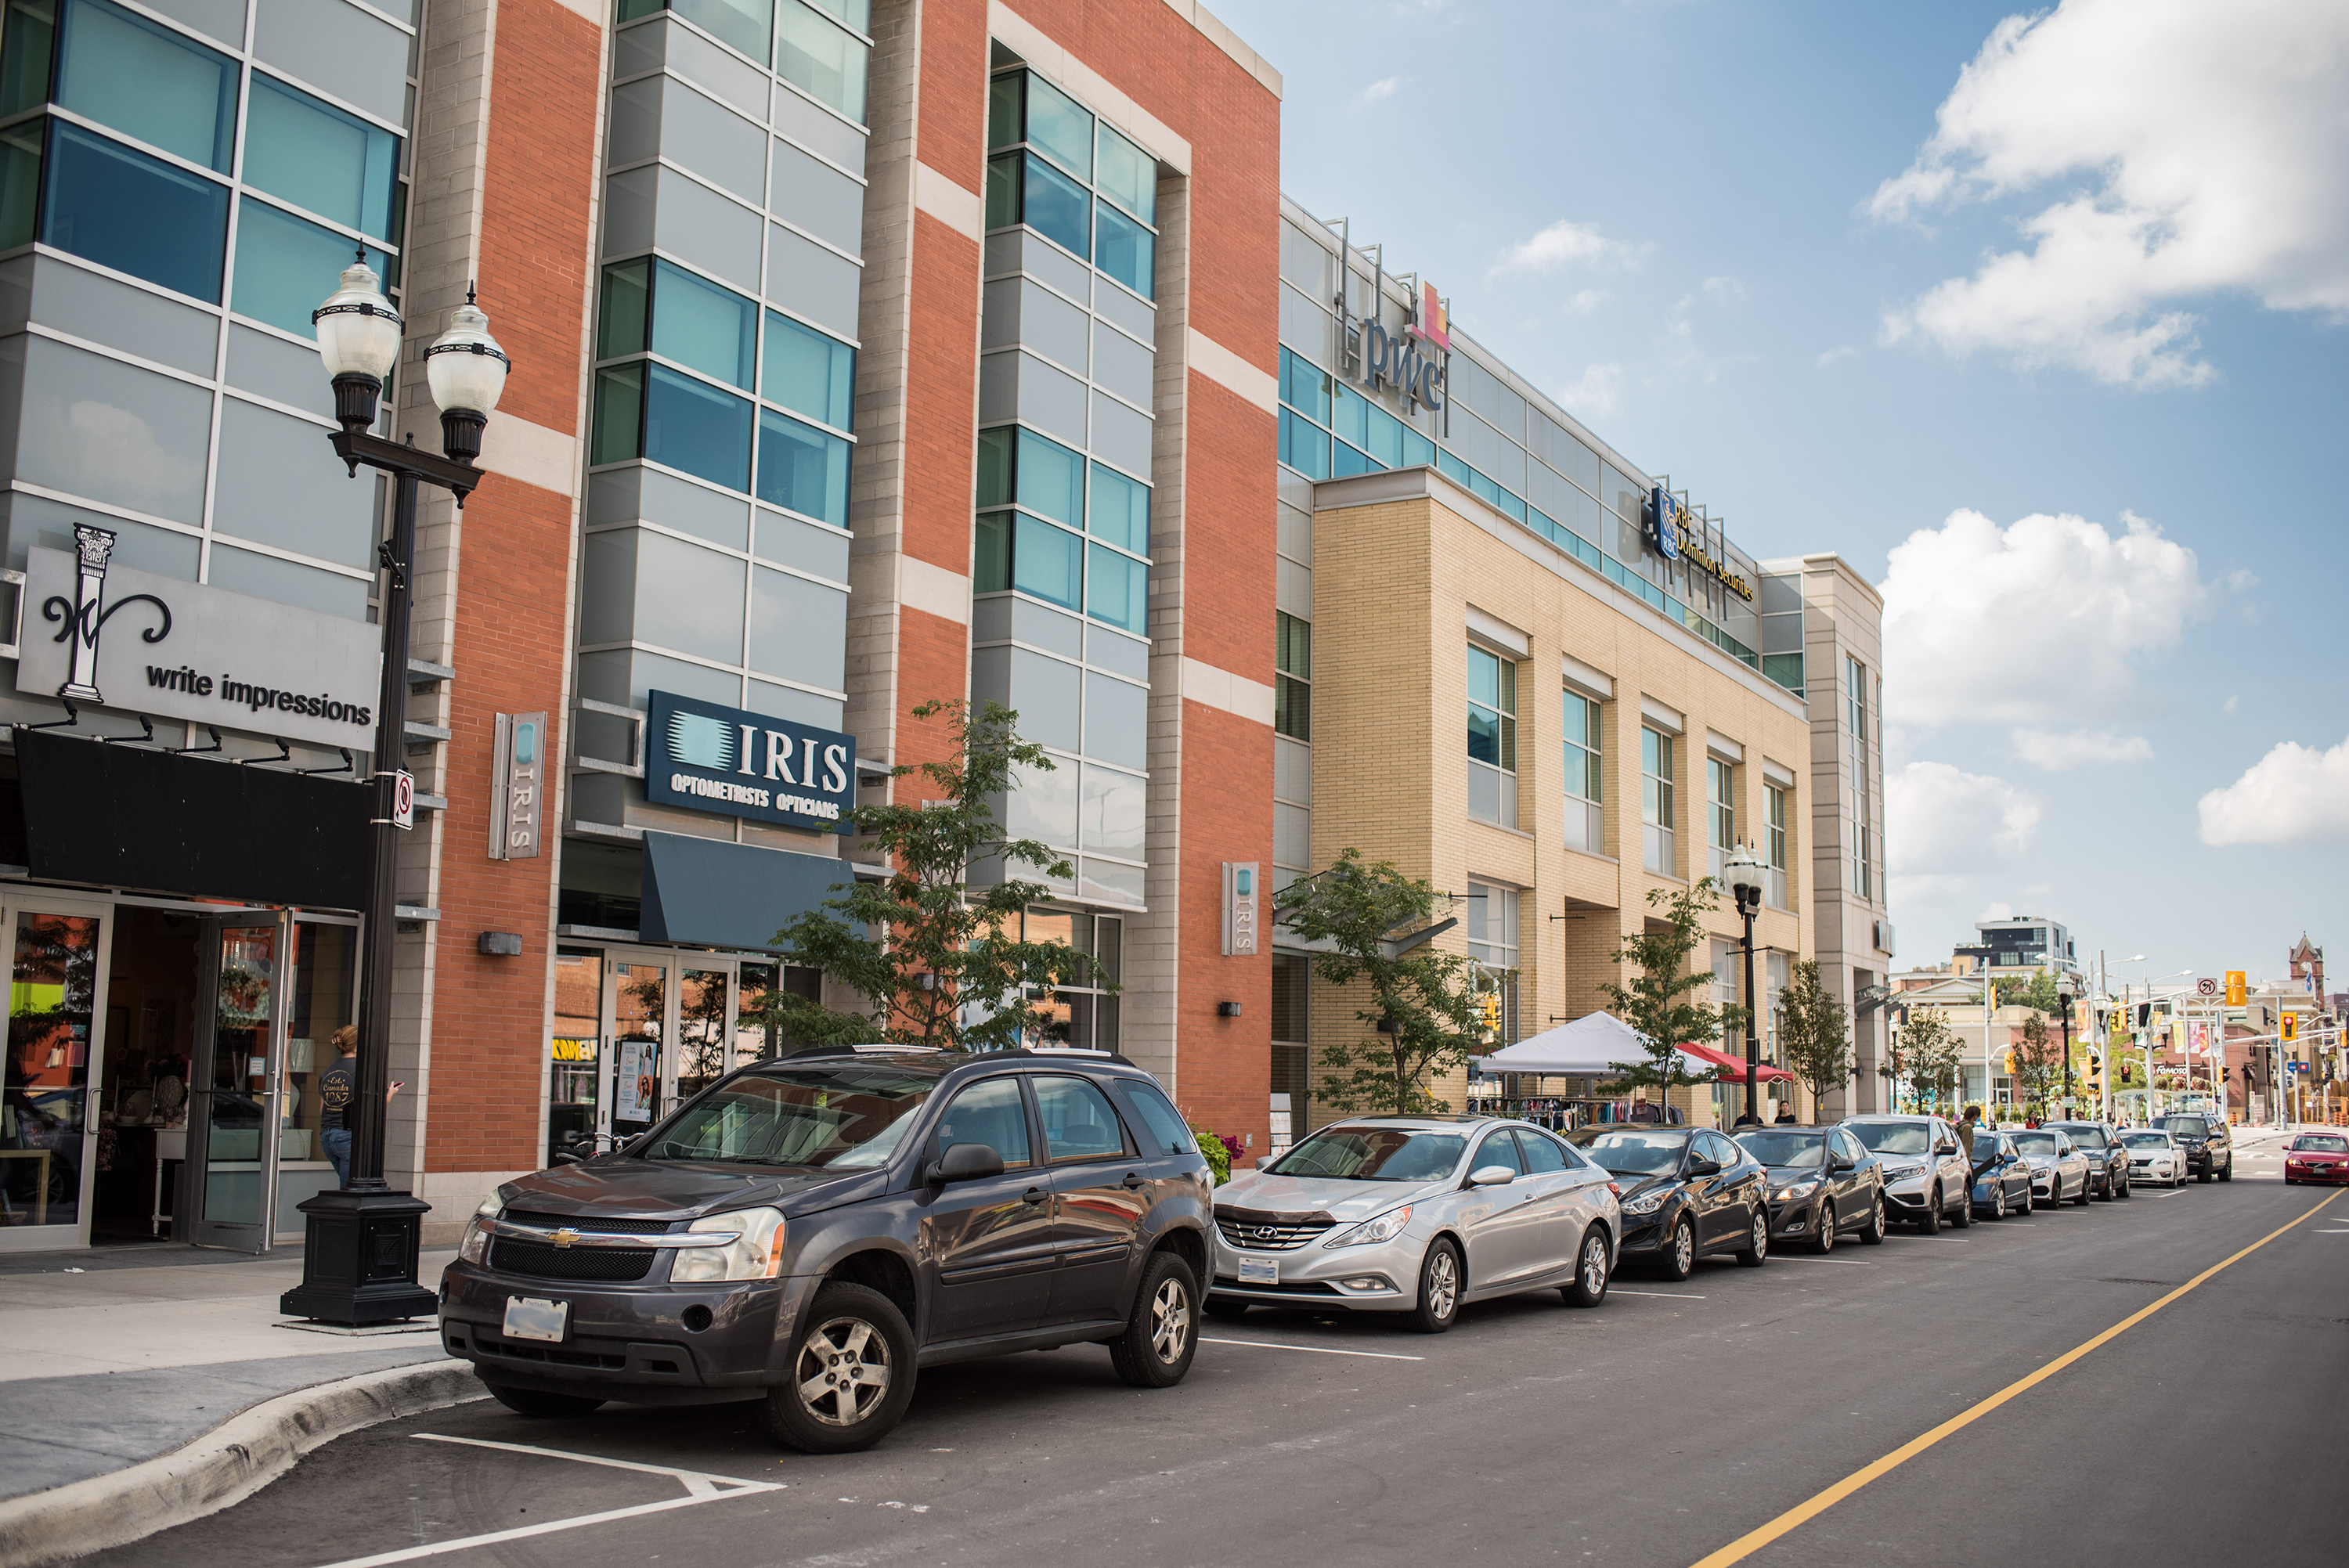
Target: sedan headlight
column 1385, row 1227
column 1647, row 1204
column 476, row 1244
column 754, row 1253
column 1799, row 1190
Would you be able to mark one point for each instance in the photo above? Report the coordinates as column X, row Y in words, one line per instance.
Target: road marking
column 1316, row 1349
column 1675, row 1294
column 1745, row 1545
column 700, row 1482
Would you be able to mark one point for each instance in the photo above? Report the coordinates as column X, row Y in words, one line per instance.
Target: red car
column 2316, row 1157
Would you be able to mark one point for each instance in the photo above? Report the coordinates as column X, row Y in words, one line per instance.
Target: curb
column 223, row 1467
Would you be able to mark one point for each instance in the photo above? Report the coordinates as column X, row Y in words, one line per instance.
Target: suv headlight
column 1385, row 1227
column 1647, row 1204
column 476, row 1244
column 754, row 1253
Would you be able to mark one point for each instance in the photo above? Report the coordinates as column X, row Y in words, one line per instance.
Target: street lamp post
column 1742, row 872
column 358, row 1263
column 2063, row 995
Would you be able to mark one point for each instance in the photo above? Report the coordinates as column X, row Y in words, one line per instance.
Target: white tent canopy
column 1590, row 1046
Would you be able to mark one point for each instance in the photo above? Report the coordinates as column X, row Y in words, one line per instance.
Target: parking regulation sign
column 403, row 798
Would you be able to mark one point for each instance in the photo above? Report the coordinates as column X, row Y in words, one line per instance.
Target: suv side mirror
column 963, row 1163
column 1491, row 1176
column 1945, row 1149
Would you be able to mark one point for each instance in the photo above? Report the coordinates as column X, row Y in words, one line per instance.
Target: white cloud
column 1841, row 351
column 2294, row 795
column 1994, row 910
column 2227, row 707
column 2056, row 750
column 1385, row 87
column 1585, row 301
column 1596, row 395
column 2024, row 624
column 1941, row 821
column 1724, row 291
column 1565, row 243
column 2213, row 150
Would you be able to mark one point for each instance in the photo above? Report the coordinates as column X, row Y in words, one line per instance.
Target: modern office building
column 2019, row 945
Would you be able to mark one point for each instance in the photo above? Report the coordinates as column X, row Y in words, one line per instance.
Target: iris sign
column 707, row 757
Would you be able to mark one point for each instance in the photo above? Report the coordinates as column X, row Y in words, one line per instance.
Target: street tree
column 1662, row 1001
column 933, row 959
column 1928, row 1053
column 2036, row 1060
column 1814, row 1031
column 1421, row 1011
column 2038, row 993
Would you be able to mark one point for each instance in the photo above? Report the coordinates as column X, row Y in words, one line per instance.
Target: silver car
column 2154, row 1156
column 2059, row 1172
column 1927, row 1178
column 1415, row 1215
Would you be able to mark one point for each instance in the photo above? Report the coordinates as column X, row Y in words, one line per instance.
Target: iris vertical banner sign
column 1239, row 909
column 518, row 768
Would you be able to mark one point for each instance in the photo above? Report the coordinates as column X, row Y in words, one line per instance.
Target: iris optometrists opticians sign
column 101, row 634
column 711, row 758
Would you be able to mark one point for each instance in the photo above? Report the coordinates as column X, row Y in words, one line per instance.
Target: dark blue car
column 2001, row 1176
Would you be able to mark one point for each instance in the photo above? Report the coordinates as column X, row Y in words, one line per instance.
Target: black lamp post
column 2063, row 995
column 358, row 1263
column 1742, row 872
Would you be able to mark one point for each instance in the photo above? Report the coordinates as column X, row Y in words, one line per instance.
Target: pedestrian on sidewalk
column 335, row 1086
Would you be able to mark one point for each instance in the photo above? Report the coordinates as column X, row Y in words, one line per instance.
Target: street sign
column 403, row 798
column 2206, row 987
column 2237, row 988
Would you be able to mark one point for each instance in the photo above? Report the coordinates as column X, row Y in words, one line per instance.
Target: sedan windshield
column 1985, row 1145
column 2146, row 1140
column 2321, row 1143
column 2088, row 1137
column 1637, row 1153
column 2039, row 1143
column 839, row 1119
column 1373, row 1154
column 1890, row 1137
column 1806, row 1150
column 2186, row 1126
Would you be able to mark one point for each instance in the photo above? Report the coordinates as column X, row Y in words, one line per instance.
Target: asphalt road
column 1660, row 1428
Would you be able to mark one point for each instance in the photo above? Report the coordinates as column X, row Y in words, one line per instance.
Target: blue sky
column 1847, row 290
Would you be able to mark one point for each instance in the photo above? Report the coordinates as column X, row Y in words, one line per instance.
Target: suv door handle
column 1134, row 1181
column 1033, row 1195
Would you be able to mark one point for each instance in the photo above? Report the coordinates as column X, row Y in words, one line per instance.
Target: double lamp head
column 360, row 335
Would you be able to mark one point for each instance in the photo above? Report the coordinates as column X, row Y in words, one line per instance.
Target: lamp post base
column 359, row 1260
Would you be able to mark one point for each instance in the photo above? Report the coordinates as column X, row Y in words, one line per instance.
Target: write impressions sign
column 707, row 757
column 99, row 633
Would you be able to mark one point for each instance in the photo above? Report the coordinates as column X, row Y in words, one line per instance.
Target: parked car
column 1687, row 1192
column 1927, row 1178
column 2316, row 1157
column 2209, row 1146
column 2108, row 1164
column 2059, row 1172
column 810, row 1231
column 1415, row 1215
column 2154, row 1156
column 1822, row 1182
column 2001, row 1176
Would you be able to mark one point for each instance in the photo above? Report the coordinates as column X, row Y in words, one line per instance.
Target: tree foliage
column 1929, row 1054
column 2037, row 1059
column 936, row 961
column 2038, row 992
column 1814, row 1031
column 1422, row 1009
column 1660, row 1001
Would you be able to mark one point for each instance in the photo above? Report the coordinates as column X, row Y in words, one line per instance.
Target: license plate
column 533, row 1317
column 1259, row 1271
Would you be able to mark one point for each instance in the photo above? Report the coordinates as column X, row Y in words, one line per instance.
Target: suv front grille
column 607, row 1264
column 1268, row 1236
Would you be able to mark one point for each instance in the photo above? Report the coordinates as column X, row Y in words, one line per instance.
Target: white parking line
column 1675, row 1294
column 1316, row 1349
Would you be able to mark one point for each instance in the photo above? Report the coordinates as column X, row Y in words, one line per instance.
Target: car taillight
column 1616, row 1188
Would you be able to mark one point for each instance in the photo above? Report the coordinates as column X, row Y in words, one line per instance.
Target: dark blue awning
column 704, row 892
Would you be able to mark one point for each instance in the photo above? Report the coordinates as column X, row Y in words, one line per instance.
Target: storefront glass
column 52, row 994
column 573, row 1058
column 237, row 1075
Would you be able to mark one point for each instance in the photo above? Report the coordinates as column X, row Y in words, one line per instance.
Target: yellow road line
column 1745, row 1545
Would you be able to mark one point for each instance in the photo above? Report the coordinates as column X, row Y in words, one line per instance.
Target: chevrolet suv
column 810, row 1232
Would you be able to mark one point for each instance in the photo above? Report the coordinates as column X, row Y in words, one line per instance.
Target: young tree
column 938, row 962
column 1423, row 1006
column 1929, row 1049
column 2038, row 1061
column 1659, row 1002
column 1814, row 1031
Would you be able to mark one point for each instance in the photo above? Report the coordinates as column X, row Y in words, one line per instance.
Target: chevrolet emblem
column 563, row 1237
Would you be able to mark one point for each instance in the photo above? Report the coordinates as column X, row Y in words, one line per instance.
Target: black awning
column 705, row 893
column 129, row 816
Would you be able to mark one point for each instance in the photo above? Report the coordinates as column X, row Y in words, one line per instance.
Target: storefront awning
column 706, row 892
column 1732, row 1067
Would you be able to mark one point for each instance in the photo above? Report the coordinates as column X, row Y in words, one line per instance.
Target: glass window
column 1418, row 451
column 1005, row 100
column 280, row 259
column 1292, row 658
column 802, row 469
column 1584, row 773
column 1498, row 1149
column 20, row 177
column 807, row 372
column 1055, row 206
column 1721, row 810
column 1121, row 510
column 1078, row 1121
column 28, row 33
column 1492, row 919
column 1453, row 468
column 1304, row 446
column 1862, row 817
column 619, row 414
column 1774, row 846
column 1047, row 561
column 1128, row 176
column 691, row 426
column 1304, row 386
column 995, row 450
column 318, row 158
column 146, row 81
column 993, row 1113
column 1381, row 436
column 1492, row 709
column 820, row 60
column 141, row 215
column 1543, row 1155
column 1373, row 1154
column 1124, row 249
column 1003, row 191
column 1656, row 801
column 703, row 326
column 52, row 1004
column 1059, row 128
column 856, row 14
column 991, row 567
column 1050, row 479
column 1349, row 420
column 624, row 324
column 1119, row 589
column 1167, row 1131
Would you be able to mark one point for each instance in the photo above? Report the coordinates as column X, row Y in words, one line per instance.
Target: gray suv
column 1927, row 1176
column 810, row 1231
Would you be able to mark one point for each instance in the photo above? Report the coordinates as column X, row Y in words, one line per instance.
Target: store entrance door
column 230, row 1188
column 56, row 948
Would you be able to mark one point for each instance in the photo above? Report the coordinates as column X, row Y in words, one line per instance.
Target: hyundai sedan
column 2155, row 1156
column 2059, row 1172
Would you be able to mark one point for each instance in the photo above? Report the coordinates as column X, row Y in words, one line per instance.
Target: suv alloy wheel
column 852, row 1376
column 1155, row 1349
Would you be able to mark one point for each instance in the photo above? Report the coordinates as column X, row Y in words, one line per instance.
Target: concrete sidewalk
column 117, row 1357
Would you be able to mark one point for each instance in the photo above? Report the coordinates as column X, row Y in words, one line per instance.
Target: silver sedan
column 2155, row 1156
column 1415, row 1215
column 2059, row 1172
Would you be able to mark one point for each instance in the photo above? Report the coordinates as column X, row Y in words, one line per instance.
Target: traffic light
column 2143, row 1015
column 2290, row 1027
column 1489, row 1005
column 2092, row 1072
column 2236, row 987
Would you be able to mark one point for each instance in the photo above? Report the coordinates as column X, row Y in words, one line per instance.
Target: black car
column 1824, row 1183
column 2108, row 1161
column 811, row 1230
column 2001, row 1176
column 2209, row 1146
column 1687, row 1192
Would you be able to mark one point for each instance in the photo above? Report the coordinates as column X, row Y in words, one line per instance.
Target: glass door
column 57, row 955
column 234, row 1127
column 640, row 1010
column 576, row 1101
